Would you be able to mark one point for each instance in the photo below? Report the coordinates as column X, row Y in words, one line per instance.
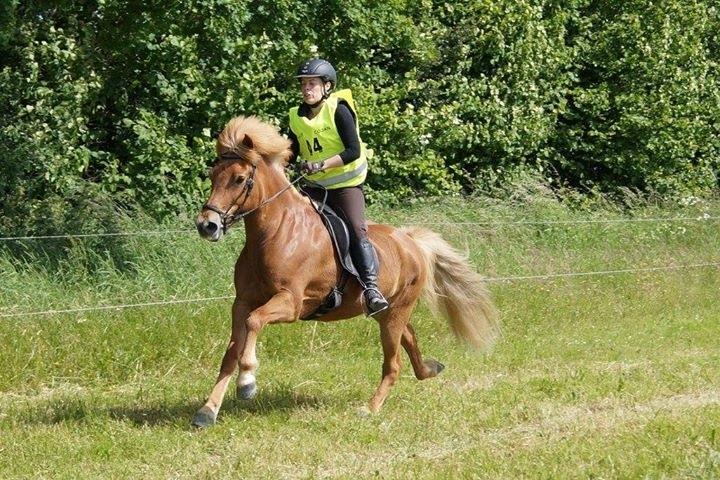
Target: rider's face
column 312, row 89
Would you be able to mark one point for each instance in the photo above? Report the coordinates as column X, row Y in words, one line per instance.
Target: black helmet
column 317, row 67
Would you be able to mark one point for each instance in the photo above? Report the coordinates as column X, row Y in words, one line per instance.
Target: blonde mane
column 266, row 140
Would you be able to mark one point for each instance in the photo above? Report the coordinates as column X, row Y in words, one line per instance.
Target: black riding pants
column 349, row 203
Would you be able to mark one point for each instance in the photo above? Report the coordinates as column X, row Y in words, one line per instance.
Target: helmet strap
column 325, row 95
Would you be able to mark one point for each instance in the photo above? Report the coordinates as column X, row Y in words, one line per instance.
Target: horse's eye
column 240, row 179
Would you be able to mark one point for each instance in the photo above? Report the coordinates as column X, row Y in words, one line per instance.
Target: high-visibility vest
column 319, row 139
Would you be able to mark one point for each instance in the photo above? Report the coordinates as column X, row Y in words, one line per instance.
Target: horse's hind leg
column 390, row 333
column 392, row 327
column 423, row 369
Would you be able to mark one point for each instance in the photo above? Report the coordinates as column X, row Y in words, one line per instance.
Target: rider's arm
column 345, row 123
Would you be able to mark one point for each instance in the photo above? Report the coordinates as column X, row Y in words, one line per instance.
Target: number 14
column 315, row 147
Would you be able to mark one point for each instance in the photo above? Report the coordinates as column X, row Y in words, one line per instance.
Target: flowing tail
column 456, row 291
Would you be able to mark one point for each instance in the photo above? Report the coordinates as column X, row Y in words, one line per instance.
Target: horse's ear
column 247, row 141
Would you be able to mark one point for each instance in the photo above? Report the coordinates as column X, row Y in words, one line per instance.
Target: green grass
column 612, row 376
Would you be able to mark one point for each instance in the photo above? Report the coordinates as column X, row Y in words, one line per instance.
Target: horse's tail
column 456, row 291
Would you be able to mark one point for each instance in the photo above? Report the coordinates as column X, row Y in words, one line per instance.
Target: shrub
column 117, row 98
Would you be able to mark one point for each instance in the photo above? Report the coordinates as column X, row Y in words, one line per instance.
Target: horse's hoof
column 435, row 366
column 204, row 417
column 247, row 392
column 364, row 412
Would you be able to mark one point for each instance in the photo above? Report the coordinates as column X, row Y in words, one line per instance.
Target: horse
column 287, row 267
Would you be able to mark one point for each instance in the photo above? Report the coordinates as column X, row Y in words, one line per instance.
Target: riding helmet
column 317, row 67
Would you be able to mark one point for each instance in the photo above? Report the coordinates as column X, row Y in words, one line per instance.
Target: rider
column 325, row 135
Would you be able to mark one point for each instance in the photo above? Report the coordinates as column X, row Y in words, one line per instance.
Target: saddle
column 340, row 237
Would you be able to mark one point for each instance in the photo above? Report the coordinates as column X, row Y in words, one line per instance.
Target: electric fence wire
column 548, row 276
column 489, row 224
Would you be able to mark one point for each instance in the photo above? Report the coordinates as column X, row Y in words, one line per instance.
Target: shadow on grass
column 281, row 399
column 278, row 399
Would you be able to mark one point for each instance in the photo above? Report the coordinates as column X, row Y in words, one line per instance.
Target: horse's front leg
column 241, row 349
column 283, row 307
column 208, row 413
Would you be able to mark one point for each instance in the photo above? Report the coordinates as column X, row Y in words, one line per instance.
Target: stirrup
column 382, row 299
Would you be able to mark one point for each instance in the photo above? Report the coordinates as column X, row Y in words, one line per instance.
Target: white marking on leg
column 245, row 378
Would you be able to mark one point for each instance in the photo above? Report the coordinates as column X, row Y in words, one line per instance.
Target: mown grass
column 612, row 376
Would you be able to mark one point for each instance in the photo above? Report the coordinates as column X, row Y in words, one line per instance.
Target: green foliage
column 115, row 97
column 643, row 111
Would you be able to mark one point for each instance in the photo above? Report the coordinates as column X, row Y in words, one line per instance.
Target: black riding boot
column 366, row 262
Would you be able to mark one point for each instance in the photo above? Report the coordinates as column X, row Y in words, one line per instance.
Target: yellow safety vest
column 319, row 139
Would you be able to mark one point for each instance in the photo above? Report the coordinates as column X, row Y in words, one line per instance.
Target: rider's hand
column 312, row 167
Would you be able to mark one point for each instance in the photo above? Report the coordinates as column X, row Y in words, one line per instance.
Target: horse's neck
column 288, row 210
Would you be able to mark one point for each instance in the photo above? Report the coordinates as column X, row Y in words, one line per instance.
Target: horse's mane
column 265, row 140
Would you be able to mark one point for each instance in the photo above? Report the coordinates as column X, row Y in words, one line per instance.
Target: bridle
column 227, row 219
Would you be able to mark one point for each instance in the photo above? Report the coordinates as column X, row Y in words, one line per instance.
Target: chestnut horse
column 287, row 266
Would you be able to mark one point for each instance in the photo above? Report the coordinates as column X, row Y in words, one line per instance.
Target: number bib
column 319, row 139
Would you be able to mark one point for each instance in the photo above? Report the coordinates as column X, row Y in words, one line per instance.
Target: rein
column 226, row 218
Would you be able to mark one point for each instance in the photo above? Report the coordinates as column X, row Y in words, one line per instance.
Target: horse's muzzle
column 209, row 228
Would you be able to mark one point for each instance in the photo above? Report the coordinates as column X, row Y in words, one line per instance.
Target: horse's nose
column 208, row 228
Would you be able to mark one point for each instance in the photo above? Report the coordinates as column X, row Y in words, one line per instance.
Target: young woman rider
column 325, row 136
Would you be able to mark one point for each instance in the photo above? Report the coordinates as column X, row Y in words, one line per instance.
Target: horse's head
column 245, row 147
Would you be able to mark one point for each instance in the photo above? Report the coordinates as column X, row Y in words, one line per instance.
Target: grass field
column 603, row 376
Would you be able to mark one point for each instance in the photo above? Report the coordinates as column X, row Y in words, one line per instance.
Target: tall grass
column 602, row 376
